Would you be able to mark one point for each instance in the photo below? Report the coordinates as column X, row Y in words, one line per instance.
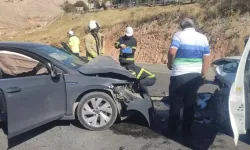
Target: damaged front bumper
column 134, row 102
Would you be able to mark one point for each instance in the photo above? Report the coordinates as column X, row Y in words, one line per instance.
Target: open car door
column 68, row 49
column 239, row 98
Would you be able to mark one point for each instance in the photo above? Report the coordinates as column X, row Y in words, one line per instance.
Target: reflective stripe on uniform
column 133, row 47
column 90, row 58
column 144, row 70
column 117, row 44
column 151, row 76
column 139, row 74
column 128, row 59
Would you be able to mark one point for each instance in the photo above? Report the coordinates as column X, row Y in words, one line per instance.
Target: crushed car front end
column 104, row 73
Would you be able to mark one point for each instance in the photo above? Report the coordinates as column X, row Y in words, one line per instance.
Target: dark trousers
column 183, row 90
column 146, row 82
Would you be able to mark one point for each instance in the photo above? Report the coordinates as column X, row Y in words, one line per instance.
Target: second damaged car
column 41, row 83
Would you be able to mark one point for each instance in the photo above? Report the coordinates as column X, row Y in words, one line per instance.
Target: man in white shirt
column 188, row 58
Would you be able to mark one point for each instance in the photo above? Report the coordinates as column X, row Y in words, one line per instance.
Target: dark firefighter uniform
column 128, row 56
column 145, row 77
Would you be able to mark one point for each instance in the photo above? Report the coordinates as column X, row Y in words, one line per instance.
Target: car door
column 32, row 100
column 239, row 98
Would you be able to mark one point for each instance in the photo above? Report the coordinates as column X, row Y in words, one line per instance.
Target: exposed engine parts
column 125, row 94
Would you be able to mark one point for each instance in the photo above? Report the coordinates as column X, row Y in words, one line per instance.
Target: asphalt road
column 128, row 135
column 163, row 80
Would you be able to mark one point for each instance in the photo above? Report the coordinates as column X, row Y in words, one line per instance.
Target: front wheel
column 97, row 111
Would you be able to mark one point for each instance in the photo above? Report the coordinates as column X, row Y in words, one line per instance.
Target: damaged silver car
column 225, row 70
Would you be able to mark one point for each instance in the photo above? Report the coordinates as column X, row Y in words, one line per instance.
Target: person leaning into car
column 145, row 78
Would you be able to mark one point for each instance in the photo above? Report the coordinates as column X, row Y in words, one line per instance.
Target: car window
column 13, row 64
column 230, row 67
column 62, row 56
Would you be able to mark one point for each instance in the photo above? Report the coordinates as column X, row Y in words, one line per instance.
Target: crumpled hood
column 102, row 65
column 226, row 60
column 224, row 77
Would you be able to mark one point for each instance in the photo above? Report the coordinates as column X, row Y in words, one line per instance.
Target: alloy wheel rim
column 97, row 112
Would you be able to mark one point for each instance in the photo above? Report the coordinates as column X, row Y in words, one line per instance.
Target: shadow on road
column 3, row 126
column 12, row 142
column 203, row 135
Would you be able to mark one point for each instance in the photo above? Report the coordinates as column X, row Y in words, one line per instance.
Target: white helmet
column 71, row 32
column 93, row 25
column 129, row 31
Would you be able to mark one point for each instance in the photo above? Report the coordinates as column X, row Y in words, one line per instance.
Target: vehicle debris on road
column 203, row 100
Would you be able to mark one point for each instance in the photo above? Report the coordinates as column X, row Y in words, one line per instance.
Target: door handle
column 13, row 90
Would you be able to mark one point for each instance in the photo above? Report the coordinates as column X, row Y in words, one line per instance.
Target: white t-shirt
column 191, row 47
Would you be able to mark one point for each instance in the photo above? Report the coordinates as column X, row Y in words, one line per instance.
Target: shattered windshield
column 68, row 59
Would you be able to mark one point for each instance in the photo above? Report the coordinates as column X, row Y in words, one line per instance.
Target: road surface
column 163, row 77
column 129, row 135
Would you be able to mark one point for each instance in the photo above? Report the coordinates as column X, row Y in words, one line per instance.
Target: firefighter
column 127, row 45
column 74, row 43
column 94, row 41
column 145, row 78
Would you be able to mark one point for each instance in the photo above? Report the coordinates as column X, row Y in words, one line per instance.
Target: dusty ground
column 18, row 14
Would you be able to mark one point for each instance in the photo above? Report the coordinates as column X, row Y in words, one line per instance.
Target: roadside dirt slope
column 153, row 28
column 27, row 13
column 154, row 37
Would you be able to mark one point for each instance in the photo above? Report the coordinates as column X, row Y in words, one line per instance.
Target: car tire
column 97, row 111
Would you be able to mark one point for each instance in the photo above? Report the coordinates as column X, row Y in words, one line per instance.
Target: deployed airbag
column 14, row 63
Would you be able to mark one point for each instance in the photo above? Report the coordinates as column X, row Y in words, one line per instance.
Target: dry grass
column 17, row 14
column 106, row 19
column 154, row 27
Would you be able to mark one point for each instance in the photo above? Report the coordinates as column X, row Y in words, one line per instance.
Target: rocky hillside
column 154, row 27
column 19, row 14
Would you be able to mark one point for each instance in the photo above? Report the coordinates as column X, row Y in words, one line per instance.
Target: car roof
column 232, row 58
column 225, row 60
column 30, row 46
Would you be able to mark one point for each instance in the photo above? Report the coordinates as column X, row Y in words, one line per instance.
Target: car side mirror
column 53, row 71
column 230, row 67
